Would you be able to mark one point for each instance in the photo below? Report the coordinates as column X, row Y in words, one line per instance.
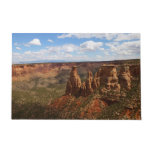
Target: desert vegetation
column 39, row 91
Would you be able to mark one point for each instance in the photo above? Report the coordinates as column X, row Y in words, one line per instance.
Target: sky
column 74, row 47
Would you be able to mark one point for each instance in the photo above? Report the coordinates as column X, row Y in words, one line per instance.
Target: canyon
column 78, row 90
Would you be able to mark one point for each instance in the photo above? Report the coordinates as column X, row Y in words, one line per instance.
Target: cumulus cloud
column 33, row 42
column 18, row 48
column 130, row 36
column 44, row 55
column 65, row 48
column 62, row 52
column 85, row 46
column 125, row 48
column 86, row 51
column 49, row 40
column 90, row 46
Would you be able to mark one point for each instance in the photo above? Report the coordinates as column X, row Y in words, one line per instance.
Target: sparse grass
column 29, row 101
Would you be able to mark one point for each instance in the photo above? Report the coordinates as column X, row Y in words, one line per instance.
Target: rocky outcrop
column 125, row 78
column 74, row 83
column 109, row 83
column 83, row 89
column 89, row 89
column 109, row 78
column 96, row 81
column 86, row 87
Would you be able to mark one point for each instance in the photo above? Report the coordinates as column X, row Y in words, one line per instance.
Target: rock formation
column 106, row 80
column 109, row 78
column 86, row 87
column 74, row 83
column 109, row 83
column 125, row 77
column 96, row 81
column 83, row 89
column 89, row 89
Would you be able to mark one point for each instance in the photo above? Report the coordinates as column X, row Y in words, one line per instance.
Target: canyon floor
column 46, row 91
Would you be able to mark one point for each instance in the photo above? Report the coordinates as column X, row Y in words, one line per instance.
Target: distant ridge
column 63, row 61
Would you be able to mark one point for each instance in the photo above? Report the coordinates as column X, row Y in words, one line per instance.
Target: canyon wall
column 24, row 71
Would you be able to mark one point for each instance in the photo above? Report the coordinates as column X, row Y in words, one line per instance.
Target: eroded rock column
column 74, row 83
column 125, row 77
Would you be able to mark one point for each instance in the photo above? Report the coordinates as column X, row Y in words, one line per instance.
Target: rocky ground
column 95, row 90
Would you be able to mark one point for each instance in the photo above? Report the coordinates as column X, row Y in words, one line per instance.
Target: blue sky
column 35, row 47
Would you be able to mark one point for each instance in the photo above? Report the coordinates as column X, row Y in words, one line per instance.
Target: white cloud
column 106, row 53
column 90, row 46
column 18, row 48
column 69, row 47
column 70, row 52
column 125, row 48
column 99, row 57
column 63, row 52
column 130, row 36
column 86, row 46
column 44, row 55
column 49, row 40
column 68, row 56
column 33, row 42
column 16, row 44
column 65, row 48
column 27, row 52
column 108, row 36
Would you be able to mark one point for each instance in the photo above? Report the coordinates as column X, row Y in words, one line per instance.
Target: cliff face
column 106, row 80
column 25, row 71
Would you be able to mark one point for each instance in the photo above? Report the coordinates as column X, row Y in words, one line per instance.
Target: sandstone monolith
column 74, row 83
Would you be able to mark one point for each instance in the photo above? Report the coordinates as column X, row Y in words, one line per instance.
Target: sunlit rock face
column 109, row 80
column 74, row 83
column 89, row 89
column 109, row 84
column 106, row 78
column 125, row 78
